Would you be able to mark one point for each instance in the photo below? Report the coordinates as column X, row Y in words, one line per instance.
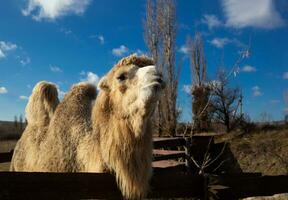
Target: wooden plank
column 23, row 185
column 166, row 163
column 165, row 152
column 6, row 157
column 180, row 186
column 164, row 184
column 177, row 168
column 169, row 156
column 168, row 142
column 241, row 186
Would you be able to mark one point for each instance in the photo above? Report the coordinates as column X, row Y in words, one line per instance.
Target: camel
column 113, row 135
column 122, row 122
column 39, row 111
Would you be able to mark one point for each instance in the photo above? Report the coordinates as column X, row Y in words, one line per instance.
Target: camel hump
column 84, row 89
column 42, row 102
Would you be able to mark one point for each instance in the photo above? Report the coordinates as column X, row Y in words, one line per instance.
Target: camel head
column 42, row 103
column 133, row 87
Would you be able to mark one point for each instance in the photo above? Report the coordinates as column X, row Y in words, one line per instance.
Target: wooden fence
column 167, row 182
column 20, row 185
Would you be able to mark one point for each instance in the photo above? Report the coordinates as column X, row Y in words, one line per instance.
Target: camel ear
column 103, row 84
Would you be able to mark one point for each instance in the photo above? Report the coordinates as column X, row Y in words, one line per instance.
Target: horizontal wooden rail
column 158, row 143
column 6, row 157
column 168, row 142
column 169, row 156
column 91, row 185
column 164, row 184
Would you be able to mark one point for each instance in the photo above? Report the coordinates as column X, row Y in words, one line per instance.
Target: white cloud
column 82, row 73
column 90, row 78
column 140, row 52
column 256, row 91
column 274, row 101
column 53, row 9
column 61, row 93
column 252, row 13
column 211, row 21
column 220, row 42
column 248, row 69
column 187, row 89
column 6, row 47
column 25, row 61
column 2, row 55
column 66, row 31
column 22, row 97
column 285, row 75
column 101, row 39
column 120, row 51
column 184, row 49
column 3, row 90
column 55, row 69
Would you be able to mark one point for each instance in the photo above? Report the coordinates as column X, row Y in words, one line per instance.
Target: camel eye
column 122, row 77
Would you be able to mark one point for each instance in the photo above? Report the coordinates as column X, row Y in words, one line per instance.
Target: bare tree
column 265, row 118
column 21, row 123
column 225, row 100
column 152, row 40
column 15, row 121
column 285, row 95
column 200, row 90
column 26, row 122
column 151, row 30
column 197, row 60
column 168, row 27
column 160, row 37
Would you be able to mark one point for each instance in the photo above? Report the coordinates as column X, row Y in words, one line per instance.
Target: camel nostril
column 159, row 75
column 159, row 80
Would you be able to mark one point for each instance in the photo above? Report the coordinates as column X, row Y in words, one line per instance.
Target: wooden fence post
column 188, row 154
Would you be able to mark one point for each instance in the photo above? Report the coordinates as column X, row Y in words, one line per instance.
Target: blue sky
column 67, row 41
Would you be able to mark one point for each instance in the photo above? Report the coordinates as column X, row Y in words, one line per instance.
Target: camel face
column 150, row 84
column 135, row 90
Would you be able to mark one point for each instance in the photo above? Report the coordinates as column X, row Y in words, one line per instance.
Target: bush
column 245, row 124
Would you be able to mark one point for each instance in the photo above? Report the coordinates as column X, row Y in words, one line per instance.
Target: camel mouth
column 156, row 82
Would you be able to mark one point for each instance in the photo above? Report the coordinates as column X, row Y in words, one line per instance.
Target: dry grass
column 7, row 145
column 265, row 152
